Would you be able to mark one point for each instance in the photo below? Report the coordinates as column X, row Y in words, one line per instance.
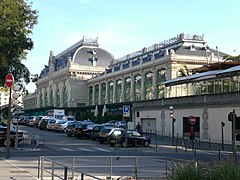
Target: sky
column 126, row 26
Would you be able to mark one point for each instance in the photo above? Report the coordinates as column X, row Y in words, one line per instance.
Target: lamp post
column 171, row 110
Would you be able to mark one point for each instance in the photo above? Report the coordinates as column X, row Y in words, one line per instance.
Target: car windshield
column 61, row 122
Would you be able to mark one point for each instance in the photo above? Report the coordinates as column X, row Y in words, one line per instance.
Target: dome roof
column 92, row 56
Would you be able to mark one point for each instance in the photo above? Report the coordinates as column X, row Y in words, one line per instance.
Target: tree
column 232, row 58
column 17, row 20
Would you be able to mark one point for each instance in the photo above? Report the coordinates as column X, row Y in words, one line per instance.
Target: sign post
column 9, row 81
column 126, row 115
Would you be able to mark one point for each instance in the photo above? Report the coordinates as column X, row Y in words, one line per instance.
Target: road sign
column 9, row 80
column 192, row 120
column 126, row 111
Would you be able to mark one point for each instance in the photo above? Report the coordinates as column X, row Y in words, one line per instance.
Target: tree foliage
column 17, row 20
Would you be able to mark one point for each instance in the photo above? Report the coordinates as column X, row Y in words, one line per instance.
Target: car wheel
column 146, row 144
column 101, row 142
column 124, row 144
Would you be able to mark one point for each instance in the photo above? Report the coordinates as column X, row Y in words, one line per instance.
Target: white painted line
column 101, row 149
column 67, row 149
column 85, row 149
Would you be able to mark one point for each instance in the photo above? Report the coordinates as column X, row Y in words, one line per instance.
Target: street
column 92, row 157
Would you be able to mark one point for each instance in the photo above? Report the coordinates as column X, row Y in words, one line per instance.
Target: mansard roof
column 85, row 52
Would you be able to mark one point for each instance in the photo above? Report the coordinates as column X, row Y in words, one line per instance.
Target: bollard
column 176, row 142
column 195, row 153
column 156, row 143
column 162, row 135
column 199, row 141
column 185, row 145
column 209, row 143
column 65, row 173
column 219, row 155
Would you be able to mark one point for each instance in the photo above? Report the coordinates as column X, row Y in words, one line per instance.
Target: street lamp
column 171, row 110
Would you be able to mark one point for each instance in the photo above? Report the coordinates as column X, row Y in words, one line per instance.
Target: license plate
column 112, row 141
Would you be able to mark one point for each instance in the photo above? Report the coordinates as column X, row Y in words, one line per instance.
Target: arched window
column 57, row 98
column 90, row 95
column 41, row 100
column 46, row 98
column 110, row 91
column 103, row 93
column 127, row 90
column 149, row 86
column 96, row 94
column 137, row 86
column 161, row 77
column 65, row 96
column 51, row 98
column 118, row 90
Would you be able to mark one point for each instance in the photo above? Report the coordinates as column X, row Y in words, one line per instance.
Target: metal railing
column 107, row 167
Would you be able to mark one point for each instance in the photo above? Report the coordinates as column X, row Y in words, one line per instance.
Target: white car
column 60, row 126
column 51, row 123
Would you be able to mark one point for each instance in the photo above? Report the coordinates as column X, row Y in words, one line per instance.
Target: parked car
column 95, row 132
column 43, row 122
column 52, row 123
column 120, row 124
column 134, row 138
column 3, row 135
column 83, row 130
column 36, row 122
column 31, row 121
column 103, row 134
column 69, row 118
column 71, row 126
column 61, row 125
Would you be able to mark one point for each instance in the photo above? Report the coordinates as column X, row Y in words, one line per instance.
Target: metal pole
column 16, row 139
column 234, row 135
column 9, row 124
column 222, row 139
column 172, row 131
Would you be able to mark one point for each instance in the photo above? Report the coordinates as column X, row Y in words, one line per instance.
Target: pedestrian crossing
column 93, row 149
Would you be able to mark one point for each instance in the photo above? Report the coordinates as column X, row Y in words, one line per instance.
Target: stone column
column 49, row 89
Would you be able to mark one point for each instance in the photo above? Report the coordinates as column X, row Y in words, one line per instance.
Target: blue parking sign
column 126, row 111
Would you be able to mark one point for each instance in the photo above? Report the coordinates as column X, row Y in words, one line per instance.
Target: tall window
column 127, row 90
column 110, row 91
column 96, row 94
column 65, row 96
column 137, row 80
column 41, row 100
column 103, row 93
column 161, row 77
column 46, row 98
column 118, row 90
column 149, row 86
column 58, row 98
column 51, row 98
column 90, row 95
column 218, row 85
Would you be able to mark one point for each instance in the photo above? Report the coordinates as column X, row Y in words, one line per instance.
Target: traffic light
column 15, row 95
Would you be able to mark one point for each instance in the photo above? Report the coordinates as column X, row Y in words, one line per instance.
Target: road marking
column 85, row 149
column 101, row 149
column 68, row 149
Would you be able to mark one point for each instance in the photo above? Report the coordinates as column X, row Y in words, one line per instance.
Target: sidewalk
column 19, row 168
